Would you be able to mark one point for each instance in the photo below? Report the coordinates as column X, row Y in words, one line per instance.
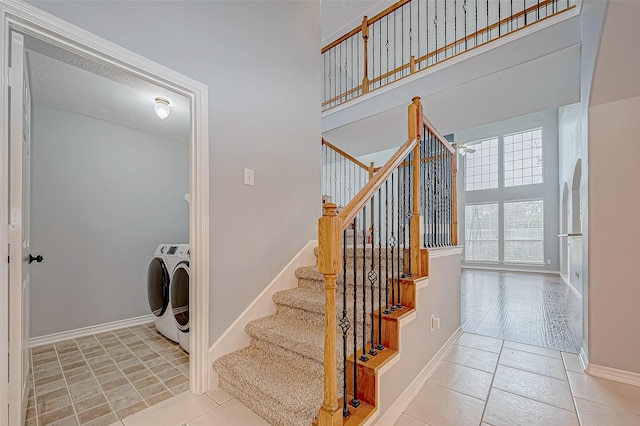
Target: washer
column 163, row 263
column 179, row 295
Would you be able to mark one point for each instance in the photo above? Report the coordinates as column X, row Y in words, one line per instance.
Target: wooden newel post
column 329, row 259
column 365, row 38
column 415, row 131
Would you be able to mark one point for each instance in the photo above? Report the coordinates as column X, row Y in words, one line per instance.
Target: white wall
column 614, row 234
column 261, row 62
column 548, row 190
column 103, row 197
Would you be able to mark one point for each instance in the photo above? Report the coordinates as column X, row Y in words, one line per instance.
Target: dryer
column 159, row 272
column 179, row 295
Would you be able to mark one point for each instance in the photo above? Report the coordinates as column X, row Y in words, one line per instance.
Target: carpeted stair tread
column 307, row 299
column 276, row 383
column 306, row 339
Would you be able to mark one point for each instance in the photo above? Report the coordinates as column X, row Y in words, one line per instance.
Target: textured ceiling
column 71, row 82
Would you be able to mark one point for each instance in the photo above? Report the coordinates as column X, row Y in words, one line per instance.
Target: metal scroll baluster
column 435, row 24
column 409, row 209
column 363, row 356
column 424, row 183
column 344, row 325
column 524, row 9
column 393, row 242
column 445, row 29
column 400, row 236
column 355, row 402
column 437, row 189
column 379, row 345
column 372, row 280
column 464, row 9
column 433, row 191
column 386, row 246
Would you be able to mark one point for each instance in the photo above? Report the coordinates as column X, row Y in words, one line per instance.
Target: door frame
column 19, row 16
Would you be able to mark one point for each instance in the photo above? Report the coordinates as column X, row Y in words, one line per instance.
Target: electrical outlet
column 248, row 177
column 435, row 323
column 548, row 261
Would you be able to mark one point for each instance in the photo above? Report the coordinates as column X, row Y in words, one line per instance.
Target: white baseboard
column 584, row 360
column 565, row 278
column 504, row 269
column 87, row 331
column 235, row 337
column 405, row 398
column 622, row 376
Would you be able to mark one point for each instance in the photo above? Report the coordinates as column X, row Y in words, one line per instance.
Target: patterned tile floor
column 99, row 379
column 536, row 309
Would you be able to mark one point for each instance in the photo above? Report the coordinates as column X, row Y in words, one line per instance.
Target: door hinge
column 13, row 234
column 14, row 78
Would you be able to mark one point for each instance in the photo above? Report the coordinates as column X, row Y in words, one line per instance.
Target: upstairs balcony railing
column 413, row 35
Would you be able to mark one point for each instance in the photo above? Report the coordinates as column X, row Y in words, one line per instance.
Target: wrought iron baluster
column 379, row 346
column 476, row 10
column 386, row 245
column 445, row 29
column 355, row 402
column 344, row 325
column 400, row 233
column 410, row 207
column 372, row 279
column 435, row 24
column 363, row 356
column 524, row 9
column 393, row 243
column 488, row 28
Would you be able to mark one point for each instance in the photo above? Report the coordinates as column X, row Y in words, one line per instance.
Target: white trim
column 421, row 283
column 435, row 252
column 497, row 269
column 402, row 402
column 88, row 331
column 30, row 20
column 565, row 278
column 622, row 376
column 235, row 337
column 584, row 359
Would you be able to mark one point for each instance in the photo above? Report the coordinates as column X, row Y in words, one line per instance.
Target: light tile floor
column 216, row 407
column 489, row 381
column 96, row 380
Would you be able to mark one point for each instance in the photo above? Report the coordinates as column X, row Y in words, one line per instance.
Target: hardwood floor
column 535, row 309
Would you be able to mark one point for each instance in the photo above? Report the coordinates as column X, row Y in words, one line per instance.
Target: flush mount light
column 162, row 108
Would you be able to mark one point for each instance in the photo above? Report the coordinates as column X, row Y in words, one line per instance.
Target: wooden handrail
column 414, row 62
column 345, row 155
column 351, row 210
column 429, row 125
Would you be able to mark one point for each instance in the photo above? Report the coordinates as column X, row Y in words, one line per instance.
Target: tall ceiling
column 71, row 82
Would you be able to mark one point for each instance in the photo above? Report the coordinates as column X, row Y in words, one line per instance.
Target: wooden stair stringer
column 369, row 372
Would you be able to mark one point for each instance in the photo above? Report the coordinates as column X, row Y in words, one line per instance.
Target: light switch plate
column 248, row 177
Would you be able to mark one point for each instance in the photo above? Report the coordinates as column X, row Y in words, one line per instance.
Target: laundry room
column 109, row 194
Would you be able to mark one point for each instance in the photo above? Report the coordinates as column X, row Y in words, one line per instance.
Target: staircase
column 280, row 374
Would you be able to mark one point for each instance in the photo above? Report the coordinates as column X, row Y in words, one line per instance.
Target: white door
column 19, row 214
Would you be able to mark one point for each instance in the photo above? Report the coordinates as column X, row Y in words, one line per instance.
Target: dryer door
column 158, row 286
column 180, row 295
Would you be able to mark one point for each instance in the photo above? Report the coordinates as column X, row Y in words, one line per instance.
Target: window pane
column 481, row 166
column 524, row 231
column 481, row 232
column 526, row 149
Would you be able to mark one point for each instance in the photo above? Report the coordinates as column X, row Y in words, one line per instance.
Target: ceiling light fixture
column 162, row 108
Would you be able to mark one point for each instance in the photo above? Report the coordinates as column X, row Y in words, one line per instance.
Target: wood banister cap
column 329, row 209
column 416, row 99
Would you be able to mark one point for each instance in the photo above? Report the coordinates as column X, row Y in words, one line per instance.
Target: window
column 481, row 166
column 523, row 158
column 523, row 232
column 481, row 232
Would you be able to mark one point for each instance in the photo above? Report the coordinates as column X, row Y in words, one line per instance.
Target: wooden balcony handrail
column 429, row 125
column 367, row 84
column 345, row 155
column 351, row 210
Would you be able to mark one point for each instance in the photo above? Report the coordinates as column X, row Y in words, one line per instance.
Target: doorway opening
column 42, row 27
